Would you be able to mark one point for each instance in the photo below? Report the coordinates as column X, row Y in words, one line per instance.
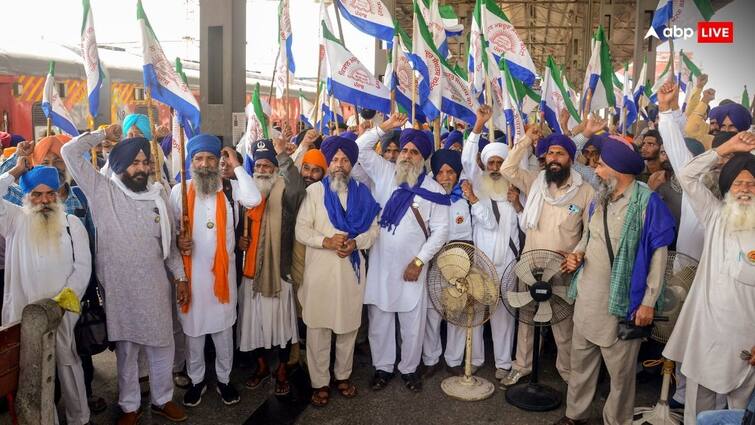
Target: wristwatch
column 417, row 262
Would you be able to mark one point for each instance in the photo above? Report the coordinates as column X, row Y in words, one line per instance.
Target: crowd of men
column 299, row 229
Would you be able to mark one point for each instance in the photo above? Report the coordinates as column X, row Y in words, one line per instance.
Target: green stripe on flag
column 558, row 79
column 425, row 32
column 447, row 12
column 746, row 99
column 86, row 5
column 606, row 69
column 705, row 8
column 693, row 69
column 143, row 16
column 326, row 34
column 495, row 10
column 180, row 71
column 51, row 71
column 257, row 103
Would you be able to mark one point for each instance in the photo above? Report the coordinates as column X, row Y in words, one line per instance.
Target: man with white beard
column 554, row 218
column 336, row 221
column 413, row 228
column 716, row 321
column 207, row 245
column 495, row 204
column 446, row 167
column 47, row 251
column 267, row 310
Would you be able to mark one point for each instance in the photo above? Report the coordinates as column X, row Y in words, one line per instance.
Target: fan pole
column 535, row 356
column 468, row 358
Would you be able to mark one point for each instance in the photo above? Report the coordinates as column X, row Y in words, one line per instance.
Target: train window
column 139, row 94
column 62, row 90
column 215, row 75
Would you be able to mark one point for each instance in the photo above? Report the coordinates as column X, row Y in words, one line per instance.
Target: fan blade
column 544, row 312
column 560, row 291
column 519, row 299
column 551, row 268
column 525, row 274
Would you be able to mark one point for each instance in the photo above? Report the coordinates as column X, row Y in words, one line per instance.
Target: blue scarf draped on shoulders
column 361, row 210
column 401, row 199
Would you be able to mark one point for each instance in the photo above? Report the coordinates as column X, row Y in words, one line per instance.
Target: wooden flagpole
column 436, row 132
column 414, row 99
column 153, row 143
column 489, row 102
column 337, row 130
column 287, row 100
column 49, row 126
column 272, row 80
column 93, row 151
column 185, row 226
column 394, row 65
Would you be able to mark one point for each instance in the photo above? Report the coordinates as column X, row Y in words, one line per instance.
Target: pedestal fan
column 463, row 286
column 534, row 291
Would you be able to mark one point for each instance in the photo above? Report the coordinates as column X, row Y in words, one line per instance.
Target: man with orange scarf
column 207, row 244
column 267, row 311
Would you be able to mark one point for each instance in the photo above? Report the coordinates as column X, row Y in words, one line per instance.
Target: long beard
column 45, row 227
column 136, row 183
column 264, row 183
column 557, row 177
column 408, row 173
column 339, row 182
column 739, row 216
column 493, row 188
column 605, row 189
column 206, row 180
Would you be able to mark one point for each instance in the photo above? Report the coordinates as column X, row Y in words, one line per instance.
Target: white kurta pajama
column 493, row 236
column 386, row 292
column 717, row 320
column 207, row 315
column 330, row 295
column 32, row 274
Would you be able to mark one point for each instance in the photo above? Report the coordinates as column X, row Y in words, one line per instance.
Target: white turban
column 494, row 149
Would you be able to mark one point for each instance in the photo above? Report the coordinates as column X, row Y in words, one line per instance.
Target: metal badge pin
column 210, row 225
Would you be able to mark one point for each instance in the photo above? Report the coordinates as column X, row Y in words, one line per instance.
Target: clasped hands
column 341, row 244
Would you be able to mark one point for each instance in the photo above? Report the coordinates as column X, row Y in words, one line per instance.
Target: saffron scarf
column 220, row 263
column 264, row 252
column 361, row 210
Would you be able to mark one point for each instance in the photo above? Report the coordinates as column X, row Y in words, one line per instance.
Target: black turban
column 739, row 162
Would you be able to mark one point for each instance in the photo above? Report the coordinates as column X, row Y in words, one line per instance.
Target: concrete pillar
column 222, row 69
column 35, row 399
column 642, row 46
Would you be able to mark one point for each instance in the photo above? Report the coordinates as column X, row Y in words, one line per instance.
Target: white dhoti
column 70, row 373
column 266, row 322
column 456, row 342
column 383, row 337
column 432, row 346
column 160, row 360
column 502, row 331
column 195, row 362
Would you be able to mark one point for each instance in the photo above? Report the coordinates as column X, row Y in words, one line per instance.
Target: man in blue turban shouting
column 413, row 227
column 337, row 220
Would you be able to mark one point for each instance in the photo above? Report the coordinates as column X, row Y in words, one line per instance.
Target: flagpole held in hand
column 153, row 143
column 92, row 152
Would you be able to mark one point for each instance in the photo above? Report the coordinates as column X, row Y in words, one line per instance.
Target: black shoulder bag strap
column 68, row 229
column 512, row 245
column 607, row 235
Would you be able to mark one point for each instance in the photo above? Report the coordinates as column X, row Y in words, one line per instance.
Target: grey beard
column 46, row 226
column 264, row 183
column 408, row 173
column 738, row 216
column 206, row 180
column 339, row 182
column 494, row 189
column 605, row 189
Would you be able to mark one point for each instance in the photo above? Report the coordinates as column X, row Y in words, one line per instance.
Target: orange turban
column 46, row 145
column 316, row 158
column 8, row 152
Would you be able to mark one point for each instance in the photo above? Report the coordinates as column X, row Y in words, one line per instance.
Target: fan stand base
column 469, row 388
column 533, row 397
column 660, row 414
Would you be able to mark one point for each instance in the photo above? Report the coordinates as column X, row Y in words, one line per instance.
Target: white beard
column 264, row 183
column 605, row 189
column 339, row 182
column 738, row 216
column 408, row 173
column 45, row 228
column 206, row 181
column 493, row 189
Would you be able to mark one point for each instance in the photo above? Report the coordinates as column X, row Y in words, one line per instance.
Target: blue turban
column 15, row 139
column 482, row 143
column 123, row 153
column 204, row 143
column 421, row 140
column 596, row 141
column 166, row 144
column 556, row 140
column 446, row 156
column 332, row 144
column 39, row 175
column 453, row 137
column 263, row 149
column 622, row 158
column 349, row 135
column 737, row 113
column 389, row 137
column 140, row 121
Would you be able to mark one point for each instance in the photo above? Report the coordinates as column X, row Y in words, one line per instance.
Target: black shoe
column 412, row 382
column 228, row 394
column 430, row 371
column 194, row 394
column 380, row 380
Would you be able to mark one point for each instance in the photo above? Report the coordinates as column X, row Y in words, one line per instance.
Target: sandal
column 346, row 388
column 256, row 381
column 380, row 380
column 282, row 388
column 320, row 396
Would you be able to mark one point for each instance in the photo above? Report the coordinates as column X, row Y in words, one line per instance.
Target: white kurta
column 206, row 314
column 718, row 317
column 330, row 295
column 32, row 274
column 395, row 249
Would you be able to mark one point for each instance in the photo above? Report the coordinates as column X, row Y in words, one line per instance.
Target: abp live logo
column 715, row 32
